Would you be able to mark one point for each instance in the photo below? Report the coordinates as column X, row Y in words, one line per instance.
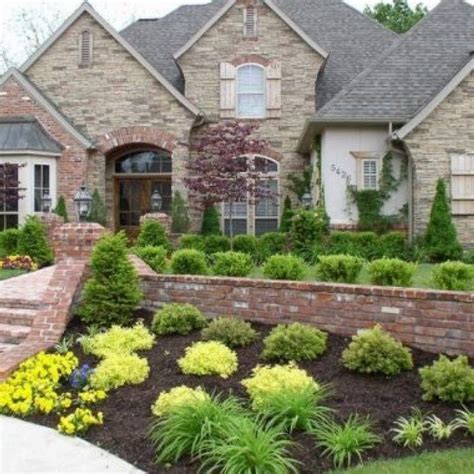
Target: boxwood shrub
column 9, row 242
column 272, row 243
column 232, row 264
column 391, row 272
column 216, row 243
column 154, row 257
column 192, row 241
column 284, row 267
column 453, row 276
column 189, row 262
column 246, row 244
column 152, row 234
column 177, row 318
column 339, row 268
column 232, row 332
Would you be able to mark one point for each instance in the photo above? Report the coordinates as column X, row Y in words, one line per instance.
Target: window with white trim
column 462, row 184
column 251, row 91
column 369, row 174
column 250, row 21
column 42, row 185
column 85, row 48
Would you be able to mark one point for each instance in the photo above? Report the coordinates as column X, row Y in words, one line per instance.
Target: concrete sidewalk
column 29, row 448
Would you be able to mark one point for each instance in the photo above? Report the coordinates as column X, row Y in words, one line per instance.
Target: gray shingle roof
column 25, row 134
column 410, row 73
column 351, row 39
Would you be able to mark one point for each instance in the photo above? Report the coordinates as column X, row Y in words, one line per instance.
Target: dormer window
column 85, row 49
column 250, row 21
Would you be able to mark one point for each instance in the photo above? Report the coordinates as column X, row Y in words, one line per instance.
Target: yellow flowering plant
column 178, row 397
column 18, row 262
column 79, row 421
column 91, row 396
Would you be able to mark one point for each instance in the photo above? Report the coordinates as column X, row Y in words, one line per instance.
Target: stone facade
column 448, row 130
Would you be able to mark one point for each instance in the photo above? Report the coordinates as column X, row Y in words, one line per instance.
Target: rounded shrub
column 33, row 242
column 177, row 397
column 294, row 342
column 232, row 264
column 232, row 332
column 453, row 276
column 154, row 257
column 189, row 262
column 192, row 241
column 284, row 267
column 216, row 243
column 209, row 358
column 175, row 318
column 9, row 242
column 374, row 351
column 246, row 244
column 391, row 272
column 393, row 244
column 448, row 380
column 272, row 243
column 339, row 268
column 152, row 234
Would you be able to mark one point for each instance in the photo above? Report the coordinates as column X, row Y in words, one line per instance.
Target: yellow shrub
column 267, row 381
column 119, row 340
column 79, row 421
column 177, row 397
column 119, row 369
column 209, row 358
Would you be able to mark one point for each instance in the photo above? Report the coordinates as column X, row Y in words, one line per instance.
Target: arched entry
column 137, row 174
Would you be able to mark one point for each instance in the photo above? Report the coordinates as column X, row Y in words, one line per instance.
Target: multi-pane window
column 85, row 48
column 239, row 218
column 250, row 21
column 8, row 196
column 250, row 91
column 266, row 210
column 145, row 162
column 369, row 174
column 42, row 185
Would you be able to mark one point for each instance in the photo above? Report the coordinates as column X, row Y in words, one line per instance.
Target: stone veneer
column 449, row 129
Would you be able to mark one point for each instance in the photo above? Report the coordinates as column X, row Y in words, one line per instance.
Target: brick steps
column 17, row 316
column 13, row 333
column 5, row 346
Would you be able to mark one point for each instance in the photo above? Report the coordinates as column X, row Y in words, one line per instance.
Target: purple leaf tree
column 220, row 170
column 10, row 191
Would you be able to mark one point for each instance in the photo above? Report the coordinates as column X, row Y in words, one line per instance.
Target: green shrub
column 179, row 215
column 441, row 240
column 448, row 380
column 246, row 244
column 393, row 245
column 98, row 212
column 232, row 264
column 453, row 276
column 339, row 268
column 272, row 243
column 61, row 209
column 232, row 332
column 374, row 351
column 154, row 257
column 286, row 216
column 468, row 257
column 168, row 401
column 294, row 342
column 357, row 244
column 192, row 241
column 216, row 243
column 175, row 318
column 112, row 293
column 211, row 222
column 189, row 262
column 368, row 243
column 9, row 242
column 391, row 272
column 284, row 267
column 33, row 242
column 152, row 234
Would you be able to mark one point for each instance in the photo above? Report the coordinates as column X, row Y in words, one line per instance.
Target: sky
column 118, row 12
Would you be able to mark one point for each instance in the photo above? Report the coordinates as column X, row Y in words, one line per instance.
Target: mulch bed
column 127, row 410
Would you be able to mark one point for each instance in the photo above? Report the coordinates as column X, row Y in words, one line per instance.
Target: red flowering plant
column 18, row 262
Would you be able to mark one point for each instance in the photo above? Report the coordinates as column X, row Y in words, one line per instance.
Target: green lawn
column 5, row 274
column 457, row 461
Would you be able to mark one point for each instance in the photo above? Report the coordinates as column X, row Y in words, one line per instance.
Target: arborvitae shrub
column 211, row 222
column 179, row 215
column 273, row 243
column 286, row 216
column 232, row 332
column 177, row 318
column 391, row 272
column 98, row 212
column 456, row 276
column 61, row 209
column 339, row 268
column 9, row 242
column 33, row 242
column 441, row 240
column 192, row 241
column 112, row 292
column 246, row 244
column 216, row 243
column 155, row 257
column 232, row 264
column 284, row 267
column 189, row 262
column 152, row 234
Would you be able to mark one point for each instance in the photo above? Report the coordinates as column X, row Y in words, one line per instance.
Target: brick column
column 51, row 222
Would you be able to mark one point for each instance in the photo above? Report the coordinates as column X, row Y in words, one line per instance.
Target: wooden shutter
column 462, row 184
column 274, row 90
column 227, row 106
column 250, row 21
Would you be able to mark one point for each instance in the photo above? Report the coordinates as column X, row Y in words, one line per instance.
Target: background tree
column 61, row 209
column 98, row 212
column 220, row 172
column 397, row 15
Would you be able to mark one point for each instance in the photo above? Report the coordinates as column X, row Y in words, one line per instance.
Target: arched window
column 259, row 217
column 85, row 48
column 250, row 91
column 143, row 162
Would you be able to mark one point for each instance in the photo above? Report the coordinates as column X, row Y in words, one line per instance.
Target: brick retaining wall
column 431, row 320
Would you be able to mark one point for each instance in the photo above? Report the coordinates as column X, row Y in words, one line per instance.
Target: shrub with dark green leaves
column 468, row 257
column 189, row 262
column 393, row 245
column 154, row 257
column 286, row 216
column 391, row 272
column 284, row 267
column 9, row 242
column 216, row 243
column 177, row 318
column 33, row 242
column 98, row 212
column 232, row 264
column 112, row 292
column 211, row 222
column 294, row 342
column 232, row 332
column 61, row 209
column 456, row 276
column 448, row 380
column 152, row 234
column 246, row 244
column 339, row 268
column 192, row 241
column 375, row 351
column 358, row 244
column 272, row 243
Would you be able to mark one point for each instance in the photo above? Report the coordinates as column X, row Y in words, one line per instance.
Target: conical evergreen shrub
column 441, row 241
column 33, row 242
column 210, row 222
column 152, row 234
column 98, row 212
column 112, row 292
column 61, row 209
column 286, row 216
column 179, row 215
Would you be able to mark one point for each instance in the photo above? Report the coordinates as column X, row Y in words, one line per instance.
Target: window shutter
column 85, row 48
column 250, row 21
column 227, row 90
column 274, row 90
column 462, row 184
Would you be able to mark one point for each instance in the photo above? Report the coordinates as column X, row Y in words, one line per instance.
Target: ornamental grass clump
column 409, row 431
column 232, row 264
column 375, row 351
column 154, row 257
column 189, row 262
column 339, row 268
column 175, row 318
column 294, row 342
column 465, row 420
column 209, row 358
column 232, row 332
column 448, row 380
column 391, row 272
column 456, row 276
column 439, row 429
column 177, row 397
column 284, row 267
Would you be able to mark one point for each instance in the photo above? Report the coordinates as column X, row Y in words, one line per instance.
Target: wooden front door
column 133, row 200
